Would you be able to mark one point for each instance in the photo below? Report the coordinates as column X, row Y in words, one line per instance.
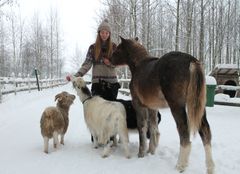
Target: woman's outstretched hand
column 106, row 61
column 68, row 78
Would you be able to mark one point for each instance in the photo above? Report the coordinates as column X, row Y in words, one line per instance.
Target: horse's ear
column 122, row 39
column 136, row 39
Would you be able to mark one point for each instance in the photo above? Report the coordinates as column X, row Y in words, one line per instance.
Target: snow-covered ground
column 21, row 144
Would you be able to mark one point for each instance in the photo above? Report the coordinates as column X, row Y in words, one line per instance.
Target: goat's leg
column 154, row 133
column 126, row 149
column 55, row 139
column 95, row 141
column 180, row 116
column 114, row 139
column 123, row 135
column 205, row 133
column 107, row 149
column 46, row 141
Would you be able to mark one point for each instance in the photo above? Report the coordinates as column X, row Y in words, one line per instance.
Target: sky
column 21, row 146
column 78, row 19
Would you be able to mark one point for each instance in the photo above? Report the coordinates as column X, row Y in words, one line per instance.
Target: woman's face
column 104, row 34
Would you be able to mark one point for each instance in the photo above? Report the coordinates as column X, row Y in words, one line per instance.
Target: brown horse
column 177, row 80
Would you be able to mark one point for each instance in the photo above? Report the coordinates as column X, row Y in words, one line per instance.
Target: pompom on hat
column 104, row 26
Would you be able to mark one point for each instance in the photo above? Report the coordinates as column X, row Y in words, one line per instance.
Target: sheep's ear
column 73, row 97
column 58, row 97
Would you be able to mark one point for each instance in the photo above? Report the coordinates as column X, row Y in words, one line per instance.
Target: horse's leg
column 180, row 116
column 153, row 128
column 206, row 137
column 142, row 118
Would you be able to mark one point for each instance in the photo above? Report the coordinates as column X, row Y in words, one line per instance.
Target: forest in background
column 26, row 45
column 207, row 29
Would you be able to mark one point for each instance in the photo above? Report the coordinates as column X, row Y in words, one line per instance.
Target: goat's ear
column 58, row 97
column 74, row 84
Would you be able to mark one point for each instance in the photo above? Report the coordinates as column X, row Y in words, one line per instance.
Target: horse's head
column 127, row 52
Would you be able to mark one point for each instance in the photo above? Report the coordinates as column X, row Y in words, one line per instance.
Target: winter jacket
column 100, row 71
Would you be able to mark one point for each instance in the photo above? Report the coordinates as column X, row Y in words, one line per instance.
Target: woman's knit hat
column 104, row 26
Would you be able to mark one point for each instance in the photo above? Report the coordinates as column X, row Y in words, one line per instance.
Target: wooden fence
column 14, row 85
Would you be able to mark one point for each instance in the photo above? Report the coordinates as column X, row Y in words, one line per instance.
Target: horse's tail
column 196, row 96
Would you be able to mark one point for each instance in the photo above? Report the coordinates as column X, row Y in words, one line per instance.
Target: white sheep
column 54, row 120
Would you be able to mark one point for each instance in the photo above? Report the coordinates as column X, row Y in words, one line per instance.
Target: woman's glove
column 68, row 78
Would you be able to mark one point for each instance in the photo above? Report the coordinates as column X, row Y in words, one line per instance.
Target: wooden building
column 227, row 75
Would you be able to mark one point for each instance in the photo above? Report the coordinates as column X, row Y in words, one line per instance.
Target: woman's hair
column 98, row 47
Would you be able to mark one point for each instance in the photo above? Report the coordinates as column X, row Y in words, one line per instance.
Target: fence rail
column 14, row 85
column 124, row 86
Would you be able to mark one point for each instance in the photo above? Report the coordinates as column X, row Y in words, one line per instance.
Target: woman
column 104, row 78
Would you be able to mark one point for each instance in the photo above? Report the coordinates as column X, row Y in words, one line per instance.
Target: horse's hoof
column 151, row 151
column 128, row 156
column 210, row 170
column 140, row 155
column 104, row 156
column 180, row 168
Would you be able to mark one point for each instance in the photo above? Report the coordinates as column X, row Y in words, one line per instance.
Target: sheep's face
column 65, row 99
column 78, row 83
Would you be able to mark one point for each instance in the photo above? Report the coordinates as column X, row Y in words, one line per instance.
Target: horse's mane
column 138, row 51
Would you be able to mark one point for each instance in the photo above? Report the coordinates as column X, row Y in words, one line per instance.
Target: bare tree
column 3, row 52
column 77, row 59
column 190, row 6
column 6, row 2
column 37, row 40
column 14, row 40
column 201, row 39
column 177, row 27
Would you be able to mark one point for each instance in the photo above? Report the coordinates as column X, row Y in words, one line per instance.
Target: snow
column 21, row 147
column 229, row 66
column 210, row 80
column 226, row 98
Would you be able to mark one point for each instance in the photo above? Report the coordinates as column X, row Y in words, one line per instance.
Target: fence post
column 14, row 83
column 29, row 83
column 36, row 74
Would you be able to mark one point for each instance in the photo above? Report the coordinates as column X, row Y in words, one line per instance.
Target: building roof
column 225, row 69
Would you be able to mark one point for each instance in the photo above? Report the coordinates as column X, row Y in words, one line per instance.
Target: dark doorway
column 231, row 93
